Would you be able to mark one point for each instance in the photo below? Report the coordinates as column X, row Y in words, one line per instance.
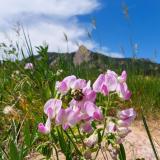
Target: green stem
column 77, row 150
column 103, row 127
column 55, row 151
column 54, row 146
column 149, row 135
column 3, row 150
column 73, row 134
column 81, row 137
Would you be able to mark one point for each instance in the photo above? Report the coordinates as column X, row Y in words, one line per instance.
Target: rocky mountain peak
column 82, row 55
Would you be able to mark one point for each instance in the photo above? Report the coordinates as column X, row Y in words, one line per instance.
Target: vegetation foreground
column 86, row 110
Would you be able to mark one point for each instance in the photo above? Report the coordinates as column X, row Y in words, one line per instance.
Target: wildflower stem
column 103, row 127
column 16, row 139
column 81, row 137
column 75, row 146
column 55, row 151
column 3, row 150
column 102, row 138
column 73, row 134
column 149, row 135
column 50, row 136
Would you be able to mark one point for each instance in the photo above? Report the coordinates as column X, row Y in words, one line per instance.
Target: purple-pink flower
column 67, row 118
column 45, row 129
column 64, row 86
column 29, row 66
column 86, row 127
column 93, row 111
column 123, row 77
column 111, row 82
column 123, row 92
column 120, row 126
column 52, row 107
column 100, row 86
column 79, row 106
column 106, row 83
column 78, row 84
column 112, row 127
column 88, row 95
column 126, row 117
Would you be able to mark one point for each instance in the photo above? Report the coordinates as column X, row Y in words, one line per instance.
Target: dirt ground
column 137, row 144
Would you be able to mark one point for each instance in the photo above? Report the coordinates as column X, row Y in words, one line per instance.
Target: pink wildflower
column 111, row 80
column 52, row 107
column 87, row 95
column 126, row 117
column 123, row 77
column 106, row 83
column 45, row 129
column 112, row 127
column 78, row 84
column 64, row 86
column 123, row 91
column 86, row 127
column 99, row 85
column 28, row 66
column 67, row 118
column 93, row 111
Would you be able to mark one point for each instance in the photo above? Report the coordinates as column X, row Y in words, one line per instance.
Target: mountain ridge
column 94, row 60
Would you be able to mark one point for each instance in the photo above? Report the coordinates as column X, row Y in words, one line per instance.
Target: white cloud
column 48, row 20
column 62, row 8
column 108, row 52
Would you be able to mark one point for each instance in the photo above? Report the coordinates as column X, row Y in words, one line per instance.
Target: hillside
column 93, row 60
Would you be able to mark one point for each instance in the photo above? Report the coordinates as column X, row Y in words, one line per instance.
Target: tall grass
column 26, row 91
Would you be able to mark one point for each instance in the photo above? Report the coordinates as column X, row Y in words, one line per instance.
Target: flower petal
column 45, row 129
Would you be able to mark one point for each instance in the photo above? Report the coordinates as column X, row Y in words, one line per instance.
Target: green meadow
column 26, row 91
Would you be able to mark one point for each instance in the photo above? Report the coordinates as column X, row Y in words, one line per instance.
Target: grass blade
column 13, row 151
column 149, row 135
column 122, row 154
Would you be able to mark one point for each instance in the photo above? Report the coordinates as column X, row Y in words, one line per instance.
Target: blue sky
column 142, row 28
column 48, row 20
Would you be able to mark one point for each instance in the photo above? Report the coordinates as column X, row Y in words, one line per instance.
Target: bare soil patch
column 137, row 144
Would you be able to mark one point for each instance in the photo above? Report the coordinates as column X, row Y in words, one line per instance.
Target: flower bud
column 87, row 154
column 92, row 140
column 123, row 131
column 86, row 127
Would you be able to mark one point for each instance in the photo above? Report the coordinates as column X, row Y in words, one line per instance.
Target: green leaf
column 27, row 136
column 99, row 135
column 75, row 146
column 122, row 154
column 62, row 142
column 47, row 151
column 13, row 151
column 23, row 152
column 54, row 136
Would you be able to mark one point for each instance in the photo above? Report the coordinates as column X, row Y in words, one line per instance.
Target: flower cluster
column 119, row 128
column 75, row 104
column 111, row 82
column 81, row 107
